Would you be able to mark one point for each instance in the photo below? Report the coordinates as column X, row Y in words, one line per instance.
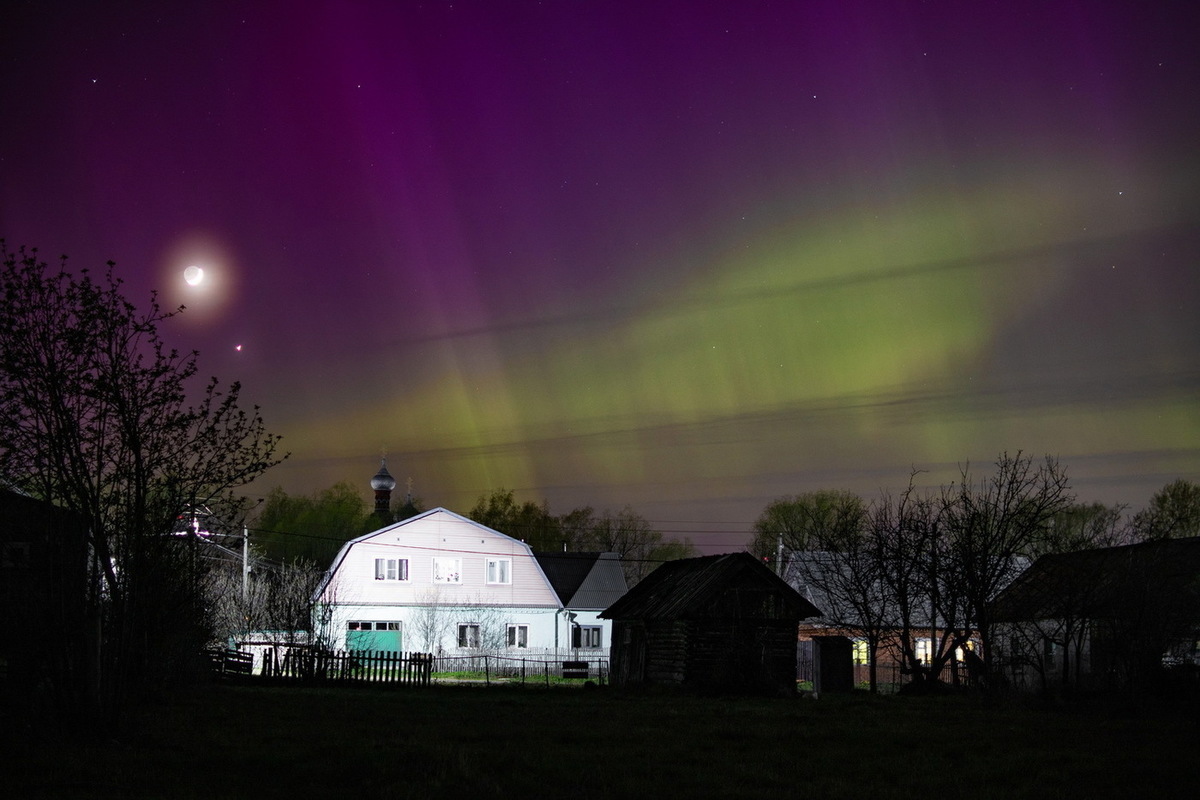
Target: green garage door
column 373, row 636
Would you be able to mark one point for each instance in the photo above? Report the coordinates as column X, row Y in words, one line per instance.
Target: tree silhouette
column 98, row 422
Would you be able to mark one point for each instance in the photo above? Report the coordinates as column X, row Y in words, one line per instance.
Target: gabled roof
column 813, row 572
column 682, row 589
column 1100, row 583
column 341, row 554
column 584, row 581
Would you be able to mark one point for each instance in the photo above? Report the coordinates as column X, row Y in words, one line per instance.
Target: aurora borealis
column 683, row 256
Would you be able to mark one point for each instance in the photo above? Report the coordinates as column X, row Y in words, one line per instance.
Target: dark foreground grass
column 458, row 742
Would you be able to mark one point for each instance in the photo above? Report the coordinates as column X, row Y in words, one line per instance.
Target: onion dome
column 383, row 480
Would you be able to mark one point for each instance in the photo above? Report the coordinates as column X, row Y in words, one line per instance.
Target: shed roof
column 1099, row 583
column 681, row 589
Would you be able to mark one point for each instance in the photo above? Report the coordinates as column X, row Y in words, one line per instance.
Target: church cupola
column 383, row 483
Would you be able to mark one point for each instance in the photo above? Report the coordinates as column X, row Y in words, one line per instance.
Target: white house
column 441, row 583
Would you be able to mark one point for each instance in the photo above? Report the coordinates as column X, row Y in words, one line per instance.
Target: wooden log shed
column 720, row 623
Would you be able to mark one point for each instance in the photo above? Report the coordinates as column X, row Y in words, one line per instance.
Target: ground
column 457, row 741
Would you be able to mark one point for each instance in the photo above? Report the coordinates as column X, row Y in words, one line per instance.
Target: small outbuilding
column 47, row 628
column 1107, row 618
column 717, row 623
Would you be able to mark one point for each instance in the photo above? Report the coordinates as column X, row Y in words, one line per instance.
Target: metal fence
column 491, row 667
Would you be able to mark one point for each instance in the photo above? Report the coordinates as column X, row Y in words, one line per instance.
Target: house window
column 447, row 570
column 924, row 648
column 391, row 569
column 518, row 636
column 499, row 570
column 1051, row 653
column 369, row 626
column 862, row 654
column 468, row 635
column 586, row 636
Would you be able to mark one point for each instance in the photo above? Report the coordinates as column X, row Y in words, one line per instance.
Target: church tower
column 383, row 483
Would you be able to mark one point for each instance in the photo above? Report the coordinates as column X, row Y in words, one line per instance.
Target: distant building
column 1106, row 618
column 45, row 638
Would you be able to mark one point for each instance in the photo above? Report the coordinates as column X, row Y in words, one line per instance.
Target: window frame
column 471, row 643
column 579, row 641
column 391, row 569
column 373, row 625
column 923, row 650
column 503, row 571
column 516, row 636
column 451, row 567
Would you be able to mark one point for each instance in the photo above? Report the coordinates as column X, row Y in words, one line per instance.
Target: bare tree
column 841, row 573
column 432, row 620
column 907, row 534
column 274, row 597
column 991, row 525
column 492, row 627
column 98, row 422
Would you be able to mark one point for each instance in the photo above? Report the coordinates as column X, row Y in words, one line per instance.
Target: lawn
column 457, row 742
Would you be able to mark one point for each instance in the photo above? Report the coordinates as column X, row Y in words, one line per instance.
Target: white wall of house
column 444, row 584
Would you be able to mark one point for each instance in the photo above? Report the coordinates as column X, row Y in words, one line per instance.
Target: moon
column 193, row 275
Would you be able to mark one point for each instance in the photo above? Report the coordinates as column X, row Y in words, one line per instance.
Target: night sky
column 686, row 256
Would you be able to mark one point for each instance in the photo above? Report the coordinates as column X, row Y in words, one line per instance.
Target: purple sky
column 684, row 256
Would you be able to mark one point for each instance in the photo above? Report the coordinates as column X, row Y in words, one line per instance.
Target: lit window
column 924, row 648
column 468, row 635
column 861, row 652
column 447, row 570
column 586, row 636
column 499, row 570
column 391, row 569
column 518, row 636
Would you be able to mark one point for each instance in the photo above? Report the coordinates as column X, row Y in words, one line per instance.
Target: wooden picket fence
column 314, row 666
column 229, row 662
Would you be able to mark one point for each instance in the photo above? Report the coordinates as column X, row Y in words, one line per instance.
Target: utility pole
column 245, row 564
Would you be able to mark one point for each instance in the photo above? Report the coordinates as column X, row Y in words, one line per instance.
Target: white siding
column 355, row 594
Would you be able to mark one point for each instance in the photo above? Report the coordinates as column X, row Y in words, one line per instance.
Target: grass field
column 460, row 742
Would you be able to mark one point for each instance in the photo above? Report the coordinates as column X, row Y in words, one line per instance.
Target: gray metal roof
column 584, row 581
